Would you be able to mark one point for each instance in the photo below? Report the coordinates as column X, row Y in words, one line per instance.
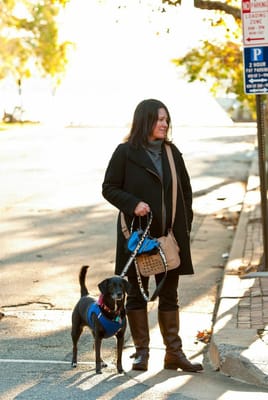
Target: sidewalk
column 239, row 344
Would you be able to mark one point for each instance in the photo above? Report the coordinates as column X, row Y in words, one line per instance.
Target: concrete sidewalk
column 239, row 344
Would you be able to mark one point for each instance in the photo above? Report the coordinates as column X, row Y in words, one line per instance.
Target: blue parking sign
column 256, row 70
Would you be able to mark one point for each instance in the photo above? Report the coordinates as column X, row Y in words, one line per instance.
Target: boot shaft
column 169, row 325
column 174, row 358
column 139, row 328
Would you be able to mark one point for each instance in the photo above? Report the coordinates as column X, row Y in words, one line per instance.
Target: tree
column 218, row 60
column 229, row 7
column 29, row 40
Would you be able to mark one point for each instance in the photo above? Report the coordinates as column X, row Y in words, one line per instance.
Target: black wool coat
column 131, row 177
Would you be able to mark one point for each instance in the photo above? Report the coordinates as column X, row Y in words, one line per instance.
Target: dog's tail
column 82, row 279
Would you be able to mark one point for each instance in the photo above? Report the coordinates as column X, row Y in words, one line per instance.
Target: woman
column 138, row 180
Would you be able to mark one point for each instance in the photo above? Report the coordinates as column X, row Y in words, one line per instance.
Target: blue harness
column 111, row 327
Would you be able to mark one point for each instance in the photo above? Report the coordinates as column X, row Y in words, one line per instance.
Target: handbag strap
column 174, row 182
column 124, row 227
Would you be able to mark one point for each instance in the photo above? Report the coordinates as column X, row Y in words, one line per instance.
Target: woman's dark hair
column 144, row 120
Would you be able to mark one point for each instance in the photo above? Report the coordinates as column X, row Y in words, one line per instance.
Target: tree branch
column 210, row 5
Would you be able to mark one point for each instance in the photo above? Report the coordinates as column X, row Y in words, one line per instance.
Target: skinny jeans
column 168, row 295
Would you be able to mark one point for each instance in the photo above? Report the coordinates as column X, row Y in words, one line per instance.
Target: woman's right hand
column 142, row 209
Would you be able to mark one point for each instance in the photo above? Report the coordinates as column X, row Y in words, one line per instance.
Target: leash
column 159, row 286
column 133, row 258
column 135, row 251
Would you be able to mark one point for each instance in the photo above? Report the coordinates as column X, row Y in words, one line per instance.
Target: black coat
column 131, row 177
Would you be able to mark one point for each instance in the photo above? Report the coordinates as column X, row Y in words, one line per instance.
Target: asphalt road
column 53, row 220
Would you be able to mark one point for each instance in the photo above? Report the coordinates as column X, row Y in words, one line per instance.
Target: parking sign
column 256, row 70
column 255, row 42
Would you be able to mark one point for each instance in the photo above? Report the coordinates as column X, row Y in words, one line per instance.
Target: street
column 54, row 219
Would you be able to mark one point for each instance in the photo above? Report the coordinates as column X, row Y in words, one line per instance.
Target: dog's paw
column 120, row 370
column 98, row 367
column 74, row 364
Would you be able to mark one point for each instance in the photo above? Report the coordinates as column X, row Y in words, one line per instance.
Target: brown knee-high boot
column 174, row 358
column 139, row 328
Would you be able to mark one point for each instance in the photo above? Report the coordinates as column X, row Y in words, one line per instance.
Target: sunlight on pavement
column 226, row 196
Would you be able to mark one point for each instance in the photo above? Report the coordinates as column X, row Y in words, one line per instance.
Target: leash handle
column 135, row 251
column 133, row 258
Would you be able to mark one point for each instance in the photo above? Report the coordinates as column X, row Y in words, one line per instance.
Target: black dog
column 105, row 317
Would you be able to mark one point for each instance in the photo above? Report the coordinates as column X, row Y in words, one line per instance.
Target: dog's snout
column 119, row 295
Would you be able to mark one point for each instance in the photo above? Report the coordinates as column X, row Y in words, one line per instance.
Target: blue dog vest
column 111, row 327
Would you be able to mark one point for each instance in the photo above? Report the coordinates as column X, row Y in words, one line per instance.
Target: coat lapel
column 140, row 157
column 166, row 169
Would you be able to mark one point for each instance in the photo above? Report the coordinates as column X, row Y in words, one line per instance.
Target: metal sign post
column 255, row 60
column 263, row 179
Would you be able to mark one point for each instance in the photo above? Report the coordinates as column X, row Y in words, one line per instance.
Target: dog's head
column 114, row 287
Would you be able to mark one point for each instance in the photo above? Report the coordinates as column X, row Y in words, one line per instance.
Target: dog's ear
column 126, row 285
column 103, row 286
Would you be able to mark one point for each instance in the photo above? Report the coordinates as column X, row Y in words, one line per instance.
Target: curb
column 236, row 349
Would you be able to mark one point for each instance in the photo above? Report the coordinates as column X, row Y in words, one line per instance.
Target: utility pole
column 255, row 59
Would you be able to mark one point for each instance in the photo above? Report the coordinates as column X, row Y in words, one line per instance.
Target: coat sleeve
column 113, row 184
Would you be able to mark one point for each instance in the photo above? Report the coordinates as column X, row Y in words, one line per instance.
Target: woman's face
column 161, row 126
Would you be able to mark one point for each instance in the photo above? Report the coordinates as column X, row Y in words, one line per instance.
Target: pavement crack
column 30, row 303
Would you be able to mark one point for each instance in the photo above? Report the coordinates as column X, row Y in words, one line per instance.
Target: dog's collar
column 104, row 307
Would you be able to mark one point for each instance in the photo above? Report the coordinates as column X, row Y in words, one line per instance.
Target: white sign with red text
column 255, row 22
